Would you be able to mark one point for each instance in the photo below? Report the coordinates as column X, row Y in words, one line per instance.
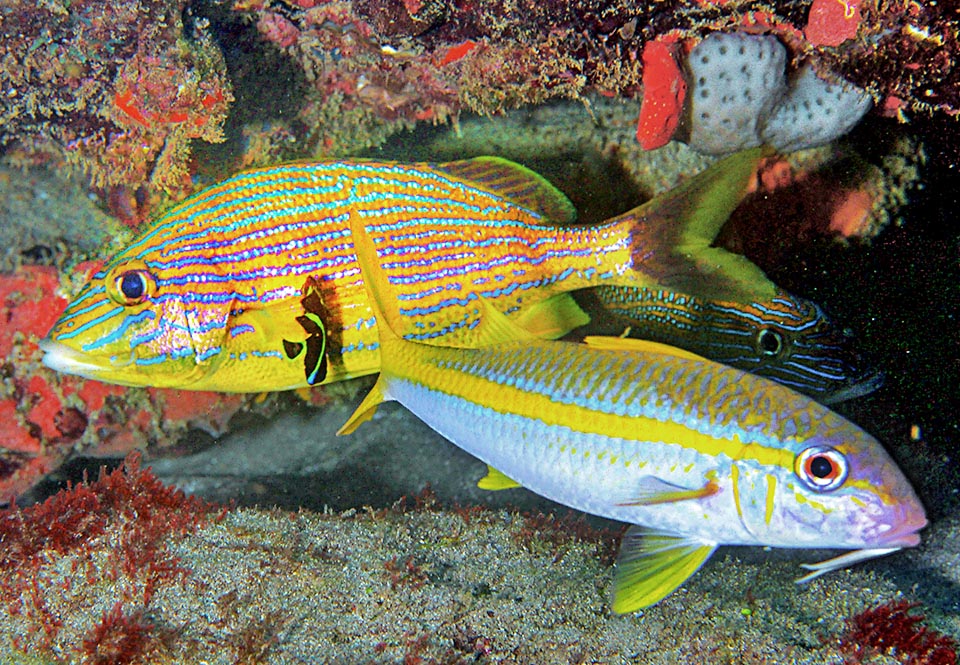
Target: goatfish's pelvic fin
column 652, row 564
column 653, row 491
column 496, row 480
column 842, row 561
column 553, row 317
column 675, row 231
column 638, row 345
column 515, row 182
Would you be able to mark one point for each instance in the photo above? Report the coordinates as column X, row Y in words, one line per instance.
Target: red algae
column 891, row 629
column 119, row 638
column 113, row 530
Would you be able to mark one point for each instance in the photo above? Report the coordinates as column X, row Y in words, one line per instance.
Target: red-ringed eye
column 130, row 284
column 821, row 468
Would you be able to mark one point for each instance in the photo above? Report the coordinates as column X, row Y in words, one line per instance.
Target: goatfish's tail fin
column 673, row 233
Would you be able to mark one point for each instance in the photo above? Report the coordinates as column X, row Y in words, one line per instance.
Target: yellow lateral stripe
column 511, row 399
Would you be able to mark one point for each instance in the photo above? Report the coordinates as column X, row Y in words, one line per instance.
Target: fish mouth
column 62, row 358
column 864, row 386
column 905, row 534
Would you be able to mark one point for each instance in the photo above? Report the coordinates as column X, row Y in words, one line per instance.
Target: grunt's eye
column 130, row 284
column 769, row 342
column 821, row 468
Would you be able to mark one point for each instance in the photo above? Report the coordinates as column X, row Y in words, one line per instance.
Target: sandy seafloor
column 311, row 565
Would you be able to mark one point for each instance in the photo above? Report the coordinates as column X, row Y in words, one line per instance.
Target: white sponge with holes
column 735, row 81
column 814, row 112
column 739, row 97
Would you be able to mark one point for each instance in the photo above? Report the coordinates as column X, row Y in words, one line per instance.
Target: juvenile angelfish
column 207, row 297
column 785, row 338
column 694, row 454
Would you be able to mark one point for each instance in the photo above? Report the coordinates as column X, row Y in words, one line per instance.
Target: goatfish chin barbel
column 693, row 453
column 207, row 297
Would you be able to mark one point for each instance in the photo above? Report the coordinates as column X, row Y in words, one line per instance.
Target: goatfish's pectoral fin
column 653, row 491
column 496, row 480
column 842, row 561
column 638, row 345
column 367, row 408
column 652, row 564
column 553, row 317
column 675, row 231
column 516, row 183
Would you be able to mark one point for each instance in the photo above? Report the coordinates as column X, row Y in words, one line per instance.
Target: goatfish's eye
column 130, row 283
column 769, row 342
column 821, row 468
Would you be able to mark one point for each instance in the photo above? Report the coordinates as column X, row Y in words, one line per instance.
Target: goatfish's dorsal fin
column 516, row 183
column 675, row 230
column 377, row 286
column 496, row 480
column 652, row 564
column 638, row 346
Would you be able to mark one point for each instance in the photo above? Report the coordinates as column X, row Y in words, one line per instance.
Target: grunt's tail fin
column 672, row 234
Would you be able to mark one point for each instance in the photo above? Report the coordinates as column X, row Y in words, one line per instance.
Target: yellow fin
column 652, row 564
column 675, row 231
column 495, row 328
column 375, row 283
column 516, row 183
column 553, row 317
column 496, row 480
column 367, row 408
column 638, row 346
column 652, row 491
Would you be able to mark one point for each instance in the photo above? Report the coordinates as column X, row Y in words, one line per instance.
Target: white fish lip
column 61, row 358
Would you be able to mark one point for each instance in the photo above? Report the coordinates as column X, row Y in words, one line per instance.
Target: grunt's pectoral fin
column 652, row 564
column 496, row 480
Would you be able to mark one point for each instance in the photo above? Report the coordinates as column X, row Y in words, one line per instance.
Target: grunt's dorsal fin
column 516, row 183
column 652, row 564
column 673, row 234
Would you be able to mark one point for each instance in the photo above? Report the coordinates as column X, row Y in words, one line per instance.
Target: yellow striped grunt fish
column 201, row 298
column 694, row 454
column 785, row 338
